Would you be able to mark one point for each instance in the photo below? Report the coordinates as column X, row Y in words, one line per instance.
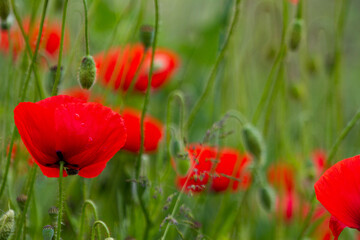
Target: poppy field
column 168, row 119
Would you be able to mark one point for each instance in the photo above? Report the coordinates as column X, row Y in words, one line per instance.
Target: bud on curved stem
column 4, row 10
column 267, row 198
column 296, row 34
column 21, row 200
column 87, row 72
column 254, row 142
column 147, row 34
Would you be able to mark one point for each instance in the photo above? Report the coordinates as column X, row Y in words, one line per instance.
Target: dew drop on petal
column 90, row 139
column 82, row 124
column 77, row 116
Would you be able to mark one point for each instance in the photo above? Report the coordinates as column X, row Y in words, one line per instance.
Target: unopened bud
column 21, row 200
column 53, row 213
column 4, row 9
column 87, row 72
column 7, row 224
column 296, row 34
column 267, row 198
column 48, row 232
column 253, row 141
column 147, row 35
column 297, row 91
column 51, row 76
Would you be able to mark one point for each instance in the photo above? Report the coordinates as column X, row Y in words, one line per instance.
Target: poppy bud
column 21, row 200
column 147, row 35
column 7, row 223
column 267, row 198
column 253, row 141
column 51, row 78
column 48, row 232
column 53, row 213
column 4, row 9
column 296, row 34
column 87, row 72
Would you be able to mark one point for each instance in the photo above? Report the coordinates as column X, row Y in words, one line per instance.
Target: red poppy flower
column 319, row 160
column 152, row 130
column 338, row 191
column 14, row 41
column 207, row 163
column 294, row 1
column 119, row 66
column 83, row 135
column 281, row 176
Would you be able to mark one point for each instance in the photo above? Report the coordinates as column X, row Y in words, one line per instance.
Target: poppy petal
column 336, row 227
column 92, row 170
column 338, row 191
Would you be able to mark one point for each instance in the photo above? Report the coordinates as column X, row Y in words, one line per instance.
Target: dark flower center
column 71, row 169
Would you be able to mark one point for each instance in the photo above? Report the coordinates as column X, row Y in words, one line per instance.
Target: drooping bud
column 48, row 232
column 267, row 198
column 296, row 34
column 4, row 9
column 147, row 35
column 253, row 141
column 7, row 224
column 51, row 76
column 21, row 200
column 87, row 72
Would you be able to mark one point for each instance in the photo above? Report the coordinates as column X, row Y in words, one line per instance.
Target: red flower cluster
column 50, row 39
column 118, row 67
column 338, row 191
column 83, row 135
column 152, row 131
column 210, row 164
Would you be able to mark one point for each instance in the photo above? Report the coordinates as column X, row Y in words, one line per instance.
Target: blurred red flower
column 319, row 160
column 338, row 191
column 118, row 67
column 50, row 39
column 281, row 176
column 208, row 163
column 83, row 135
column 152, row 130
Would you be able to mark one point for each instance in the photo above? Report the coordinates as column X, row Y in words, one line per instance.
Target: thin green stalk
column 104, row 226
column 82, row 219
column 211, row 79
column 329, row 162
column 23, row 94
column 57, row 76
column 142, row 137
column 280, row 56
column 86, row 29
column 28, row 49
column 61, row 200
column 29, row 195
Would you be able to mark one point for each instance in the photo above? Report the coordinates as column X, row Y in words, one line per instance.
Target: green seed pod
column 296, row 34
column 267, row 198
column 53, row 213
column 253, row 141
column 87, row 72
column 147, row 35
column 4, row 9
column 50, row 80
column 7, row 224
column 21, row 200
column 48, row 232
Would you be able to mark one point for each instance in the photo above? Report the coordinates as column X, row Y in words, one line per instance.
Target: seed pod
column 53, row 213
column 253, row 141
column 50, row 81
column 48, row 232
column 267, row 198
column 4, row 9
column 21, row 200
column 296, row 34
column 147, row 35
column 7, row 224
column 87, row 72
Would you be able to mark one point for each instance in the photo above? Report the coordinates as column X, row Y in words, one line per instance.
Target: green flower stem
column 28, row 49
column 58, row 70
column 142, row 137
column 86, row 28
column 22, row 96
column 104, row 226
column 82, row 219
column 279, row 58
column 329, row 162
column 61, row 200
column 29, row 193
column 211, row 80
